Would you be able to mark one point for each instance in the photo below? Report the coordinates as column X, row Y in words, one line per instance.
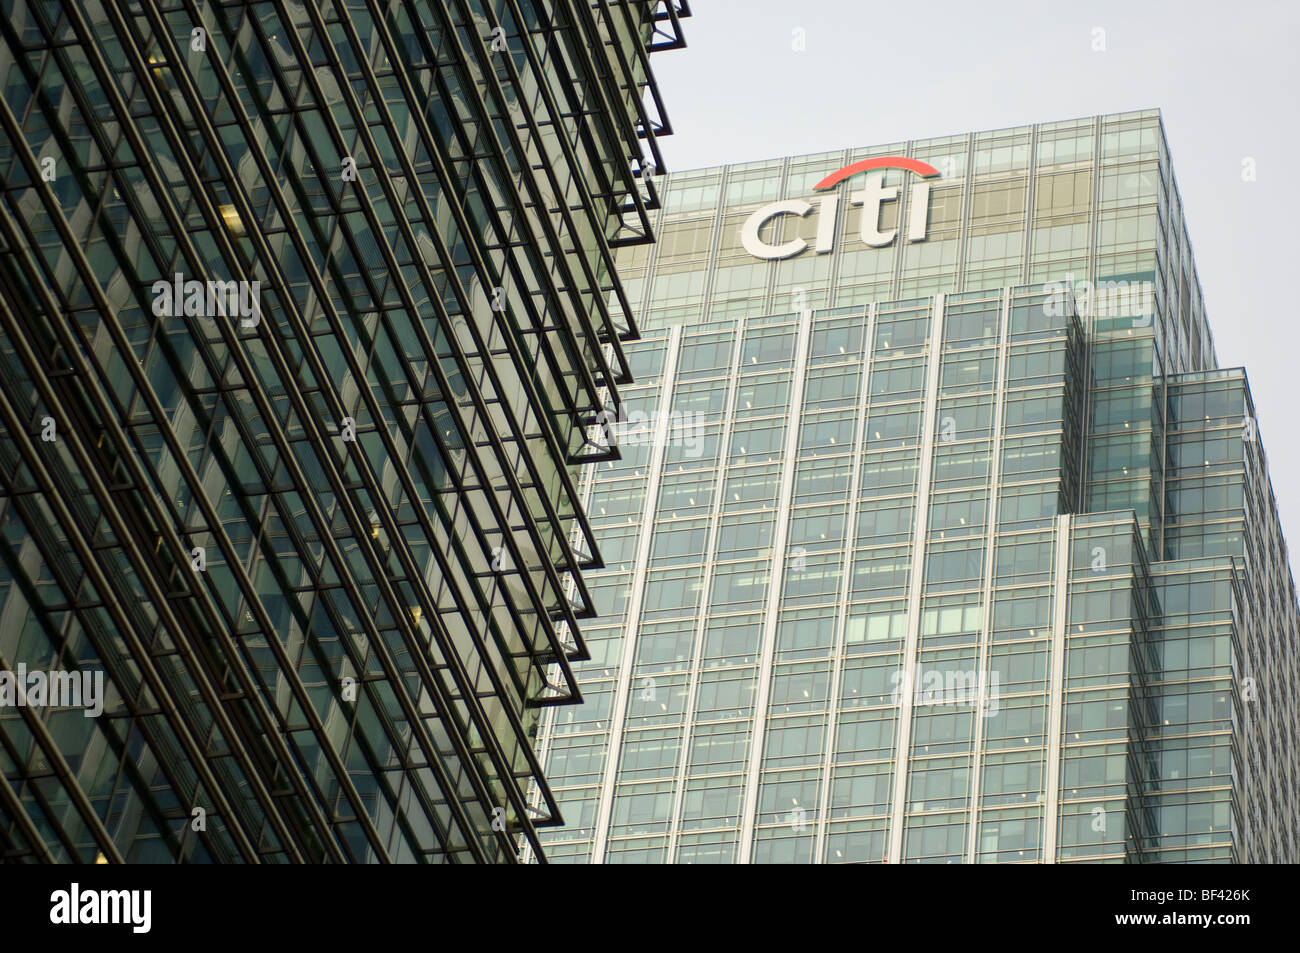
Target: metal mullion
column 899, row 249
column 358, row 662
column 1088, row 320
column 506, row 468
column 561, row 260
column 480, row 599
column 916, row 585
column 21, row 816
column 547, row 433
column 41, row 736
column 149, row 675
column 329, row 839
column 843, row 602
column 89, row 563
column 988, row 587
column 93, row 634
column 682, row 766
column 234, row 658
column 615, row 60
column 289, row 669
column 312, row 645
column 583, row 11
column 573, row 110
column 401, row 818
column 1056, row 688
column 489, row 368
column 604, row 245
column 648, row 131
column 163, row 524
column 129, row 547
column 618, row 205
column 282, row 660
column 408, row 486
column 379, row 570
column 559, row 329
column 641, row 561
column 642, row 53
column 967, row 202
column 59, row 765
column 292, row 393
column 415, row 571
column 385, row 437
column 375, row 637
column 1031, row 187
column 571, row 559
column 421, row 516
column 774, row 598
column 14, row 807
column 583, row 25
column 546, row 724
column 672, row 10
column 10, row 850
column 627, row 199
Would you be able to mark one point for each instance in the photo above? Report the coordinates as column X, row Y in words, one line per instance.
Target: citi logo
column 873, row 194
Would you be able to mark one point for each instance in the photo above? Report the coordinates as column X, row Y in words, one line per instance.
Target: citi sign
column 872, row 196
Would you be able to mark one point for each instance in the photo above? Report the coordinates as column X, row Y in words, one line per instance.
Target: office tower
column 305, row 309
column 939, row 535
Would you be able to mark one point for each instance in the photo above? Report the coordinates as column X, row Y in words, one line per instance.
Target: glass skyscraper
column 306, row 311
column 938, row 535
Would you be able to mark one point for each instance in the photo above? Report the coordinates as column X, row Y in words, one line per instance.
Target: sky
column 1226, row 78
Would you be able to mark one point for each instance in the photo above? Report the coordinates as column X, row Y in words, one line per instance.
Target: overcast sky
column 1225, row 77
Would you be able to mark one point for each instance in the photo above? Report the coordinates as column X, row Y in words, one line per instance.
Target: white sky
column 1225, row 76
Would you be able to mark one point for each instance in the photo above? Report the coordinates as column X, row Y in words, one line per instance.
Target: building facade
column 938, row 534
column 306, row 310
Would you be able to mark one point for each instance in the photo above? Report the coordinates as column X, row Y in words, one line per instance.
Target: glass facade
column 959, row 549
column 305, row 313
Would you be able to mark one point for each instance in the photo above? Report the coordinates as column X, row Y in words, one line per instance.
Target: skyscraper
column 305, row 309
column 939, row 535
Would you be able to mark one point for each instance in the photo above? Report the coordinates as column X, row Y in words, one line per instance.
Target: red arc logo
column 923, row 169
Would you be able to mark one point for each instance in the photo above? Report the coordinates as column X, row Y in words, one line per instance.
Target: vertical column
column 917, row 577
column 770, row 304
column 637, row 596
column 839, row 243
column 896, row 249
column 1056, row 689
column 1094, row 221
column 1160, row 418
column 652, row 263
column 715, row 241
column 706, row 586
column 775, row 578
column 1086, row 317
column 546, row 722
column 1031, row 184
column 967, row 199
column 990, row 551
column 846, row 571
